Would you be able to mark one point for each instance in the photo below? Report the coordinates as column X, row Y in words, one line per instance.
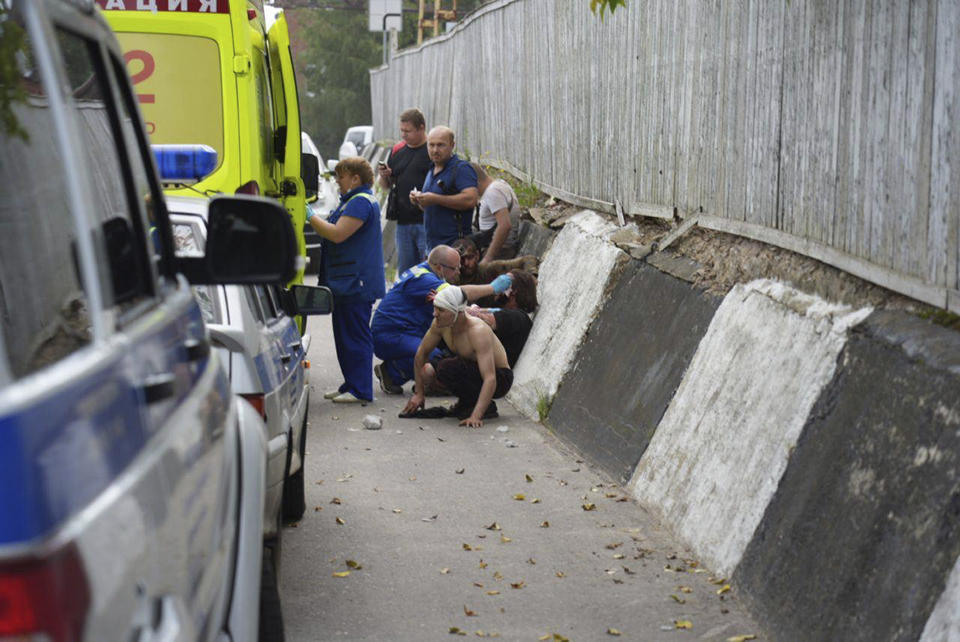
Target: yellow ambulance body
column 209, row 72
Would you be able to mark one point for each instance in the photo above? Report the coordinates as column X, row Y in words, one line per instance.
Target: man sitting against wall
column 498, row 218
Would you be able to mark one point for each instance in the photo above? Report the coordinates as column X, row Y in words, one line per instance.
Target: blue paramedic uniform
column 353, row 270
column 445, row 225
column 402, row 318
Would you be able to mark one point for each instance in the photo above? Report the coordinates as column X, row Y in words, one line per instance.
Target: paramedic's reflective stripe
column 417, row 271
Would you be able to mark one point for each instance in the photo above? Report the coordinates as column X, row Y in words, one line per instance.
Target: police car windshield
column 177, row 80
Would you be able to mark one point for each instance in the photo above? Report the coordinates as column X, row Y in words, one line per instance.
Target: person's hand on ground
column 414, row 403
column 472, row 422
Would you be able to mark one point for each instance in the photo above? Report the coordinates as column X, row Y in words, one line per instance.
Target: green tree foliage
column 13, row 53
column 603, row 5
column 335, row 55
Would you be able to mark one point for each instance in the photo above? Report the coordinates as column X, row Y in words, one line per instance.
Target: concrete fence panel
column 572, row 285
column 828, row 128
column 718, row 454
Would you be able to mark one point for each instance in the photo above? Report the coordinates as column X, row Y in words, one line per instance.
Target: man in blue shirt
column 449, row 192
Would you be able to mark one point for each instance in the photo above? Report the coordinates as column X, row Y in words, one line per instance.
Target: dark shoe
column 386, row 383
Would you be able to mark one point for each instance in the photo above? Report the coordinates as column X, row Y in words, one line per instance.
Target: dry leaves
column 589, row 507
column 683, row 624
column 519, row 497
column 493, row 527
column 544, row 524
column 341, row 521
column 336, row 500
column 468, row 612
column 528, row 478
column 354, row 565
column 341, row 574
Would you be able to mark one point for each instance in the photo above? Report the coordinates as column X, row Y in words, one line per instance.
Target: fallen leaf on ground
column 623, row 499
column 683, row 624
column 560, row 574
column 618, row 556
column 319, row 482
column 467, row 547
column 517, row 585
column 717, row 580
column 535, row 500
column 528, row 478
column 723, row 589
column 432, row 518
column 504, row 539
column 478, row 584
column 483, row 564
column 444, row 571
column 617, row 580
column 519, row 497
column 459, row 471
column 336, row 500
column 628, row 571
column 589, row 507
column 398, row 510
column 493, row 592
column 614, row 545
column 354, row 565
column 609, row 495
column 468, row 612
column 345, row 477
column 613, row 632
column 544, row 524
column 678, row 600
column 531, row 561
column 497, row 576
column 455, row 630
column 341, row 574
column 316, row 508
column 742, row 638
column 493, row 527
column 413, row 478
column 341, row 521
column 685, row 589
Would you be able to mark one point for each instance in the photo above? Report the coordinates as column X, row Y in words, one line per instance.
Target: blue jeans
column 411, row 246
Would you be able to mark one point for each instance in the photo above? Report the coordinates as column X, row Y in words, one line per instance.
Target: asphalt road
column 424, row 530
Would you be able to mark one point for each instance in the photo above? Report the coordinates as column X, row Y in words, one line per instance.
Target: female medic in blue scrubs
column 353, row 270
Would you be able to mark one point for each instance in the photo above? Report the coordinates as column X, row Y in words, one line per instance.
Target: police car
column 253, row 328
column 132, row 481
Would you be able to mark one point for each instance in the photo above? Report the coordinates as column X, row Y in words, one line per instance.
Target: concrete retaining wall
column 807, row 450
column 572, row 285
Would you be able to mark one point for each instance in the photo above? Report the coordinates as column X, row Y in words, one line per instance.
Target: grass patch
column 543, row 406
column 941, row 317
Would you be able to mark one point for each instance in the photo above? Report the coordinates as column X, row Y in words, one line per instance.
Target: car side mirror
column 310, row 173
column 308, row 299
column 250, row 240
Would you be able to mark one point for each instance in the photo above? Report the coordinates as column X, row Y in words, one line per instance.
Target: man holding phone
column 405, row 171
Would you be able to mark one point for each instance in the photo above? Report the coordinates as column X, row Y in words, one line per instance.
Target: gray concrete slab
column 864, row 529
column 413, row 496
column 534, row 239
column 628, row 368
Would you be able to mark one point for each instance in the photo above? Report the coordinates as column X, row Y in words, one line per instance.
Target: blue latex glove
column 310, row 213
column 502, row 283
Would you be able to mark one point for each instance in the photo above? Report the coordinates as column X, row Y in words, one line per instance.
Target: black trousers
column 462, row 378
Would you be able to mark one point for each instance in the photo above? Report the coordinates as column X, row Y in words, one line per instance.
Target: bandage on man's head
column 451, row 298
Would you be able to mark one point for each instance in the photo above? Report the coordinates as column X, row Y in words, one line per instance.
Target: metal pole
column 383, row 28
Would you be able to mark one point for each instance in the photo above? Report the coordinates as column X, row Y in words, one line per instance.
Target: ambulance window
column 178, row 85
column 122, row 230
column 266, row 110
column 43, row 306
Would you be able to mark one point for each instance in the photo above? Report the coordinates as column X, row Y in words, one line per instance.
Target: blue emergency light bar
column 184, row 163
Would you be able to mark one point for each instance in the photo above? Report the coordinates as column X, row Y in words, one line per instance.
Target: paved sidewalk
column 498, row 531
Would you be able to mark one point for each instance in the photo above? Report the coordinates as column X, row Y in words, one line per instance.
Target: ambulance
column 209, row 73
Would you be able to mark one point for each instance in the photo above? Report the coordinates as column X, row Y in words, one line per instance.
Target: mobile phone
column 381, row 164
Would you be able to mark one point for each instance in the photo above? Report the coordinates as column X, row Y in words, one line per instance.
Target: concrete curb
column 807, row 450
column 570, row 295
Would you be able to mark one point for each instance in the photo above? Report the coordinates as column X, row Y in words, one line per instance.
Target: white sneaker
column 346, row 397
column 331, row 394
